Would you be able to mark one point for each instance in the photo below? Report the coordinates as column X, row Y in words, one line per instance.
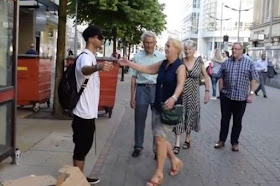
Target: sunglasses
column 100, row 37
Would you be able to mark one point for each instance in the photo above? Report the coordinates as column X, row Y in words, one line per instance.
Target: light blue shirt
column 144, row 59
column 261, row 65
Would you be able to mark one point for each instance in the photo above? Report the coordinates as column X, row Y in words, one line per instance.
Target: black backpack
column 271, row 72
column 67, row 88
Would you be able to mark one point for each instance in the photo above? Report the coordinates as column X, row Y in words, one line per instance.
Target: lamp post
column 271, row 20
column 221, row 20
column 239, row 15
column 76, row 30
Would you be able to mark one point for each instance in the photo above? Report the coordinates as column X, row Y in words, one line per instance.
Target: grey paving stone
column 256, row 164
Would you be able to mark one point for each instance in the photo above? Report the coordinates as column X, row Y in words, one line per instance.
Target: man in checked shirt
column 236, row 75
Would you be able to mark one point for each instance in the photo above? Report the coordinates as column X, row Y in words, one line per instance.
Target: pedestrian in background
column 86, row 110
column 261, row 66
column 31, row 50
column 191, row 96
column 143, row 88
column 235, row 76
column 170, row 82
column 216, row 63
column 225, row 55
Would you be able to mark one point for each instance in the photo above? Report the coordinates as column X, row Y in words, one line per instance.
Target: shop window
column 6, row 49
column 5, row 126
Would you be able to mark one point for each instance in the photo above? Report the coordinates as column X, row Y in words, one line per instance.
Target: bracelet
column 96, row 68
column 174, row 97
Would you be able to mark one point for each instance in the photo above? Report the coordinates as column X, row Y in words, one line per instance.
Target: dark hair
column 91, row 31
column 227, row 53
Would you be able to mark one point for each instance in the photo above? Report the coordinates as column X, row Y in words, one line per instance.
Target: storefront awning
column 34, row 4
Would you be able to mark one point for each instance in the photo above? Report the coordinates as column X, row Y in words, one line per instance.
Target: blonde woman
column 191, row 97
column 216, row 63
column 170, row 82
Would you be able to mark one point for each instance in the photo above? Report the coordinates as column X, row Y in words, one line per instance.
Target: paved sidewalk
column 47, row 145
column 274, row 82
column 257, row 163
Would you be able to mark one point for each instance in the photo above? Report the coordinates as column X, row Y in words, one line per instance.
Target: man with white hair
column 143, row 88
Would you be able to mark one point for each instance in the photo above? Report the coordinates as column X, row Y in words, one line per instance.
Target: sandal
column 186, row 145
column 179, row 166
column 153, row 183
column 176, row 150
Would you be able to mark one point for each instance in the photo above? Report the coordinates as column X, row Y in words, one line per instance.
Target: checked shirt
column 237, row 75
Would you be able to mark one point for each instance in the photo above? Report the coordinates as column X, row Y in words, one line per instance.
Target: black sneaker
column 93, row 180
column 136, row 153
column 265, row 96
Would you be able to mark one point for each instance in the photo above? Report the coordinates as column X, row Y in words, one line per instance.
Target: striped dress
column 191, row 101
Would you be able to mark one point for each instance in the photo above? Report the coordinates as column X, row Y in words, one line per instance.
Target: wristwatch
column 252, row 93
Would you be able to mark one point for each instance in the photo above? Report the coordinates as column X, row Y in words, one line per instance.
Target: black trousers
column 231, row 108
column 83, row 133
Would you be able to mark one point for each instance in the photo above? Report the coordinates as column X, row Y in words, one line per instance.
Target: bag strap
column 84, row 85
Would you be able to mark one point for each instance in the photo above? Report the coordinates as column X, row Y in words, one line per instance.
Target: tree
column 124, row 19
column 60, row 55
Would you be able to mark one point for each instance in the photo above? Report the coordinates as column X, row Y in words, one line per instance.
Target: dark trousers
column 236, row 109
column 262, row 79
column 83, row 133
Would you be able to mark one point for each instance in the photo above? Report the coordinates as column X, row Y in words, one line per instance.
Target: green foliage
column 124, row 19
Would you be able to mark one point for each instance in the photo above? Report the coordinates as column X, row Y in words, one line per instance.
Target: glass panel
column 5, row 126
column 6, row 42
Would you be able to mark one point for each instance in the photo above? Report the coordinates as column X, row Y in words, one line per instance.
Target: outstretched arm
column 151, row 69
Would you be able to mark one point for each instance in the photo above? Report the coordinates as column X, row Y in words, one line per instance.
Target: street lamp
column 220, row 45
column 239, row 13
column 76, row 30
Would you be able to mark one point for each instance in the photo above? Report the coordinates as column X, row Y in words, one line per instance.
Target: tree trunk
column 104, row 48
column 114, row 40
column 60, row 55
column 129, row 49
column 124, row 47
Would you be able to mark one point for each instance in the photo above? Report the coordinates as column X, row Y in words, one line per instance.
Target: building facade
column 38, row 20
column 8, row 61
column 266, row 21
column 208, row 21
column 190, row 22
column 220, row 18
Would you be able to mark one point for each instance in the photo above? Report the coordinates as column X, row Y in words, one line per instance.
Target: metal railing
column 273, row 55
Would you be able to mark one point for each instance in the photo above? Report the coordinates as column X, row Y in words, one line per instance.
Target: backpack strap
column 84, row 85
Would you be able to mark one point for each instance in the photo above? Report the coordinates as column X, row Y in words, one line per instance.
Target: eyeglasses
column 148, row 43
column 99, row 37
column 236, row 49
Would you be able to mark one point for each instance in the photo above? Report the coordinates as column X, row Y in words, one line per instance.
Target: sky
column 173, row 10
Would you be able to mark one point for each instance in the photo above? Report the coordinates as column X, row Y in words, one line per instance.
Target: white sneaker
column 213, row 98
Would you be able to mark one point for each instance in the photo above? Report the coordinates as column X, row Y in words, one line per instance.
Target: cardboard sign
column 31, row 180
column 71, row 176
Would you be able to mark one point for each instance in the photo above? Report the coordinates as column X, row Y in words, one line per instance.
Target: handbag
column 209, row 69
column 172, row 116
